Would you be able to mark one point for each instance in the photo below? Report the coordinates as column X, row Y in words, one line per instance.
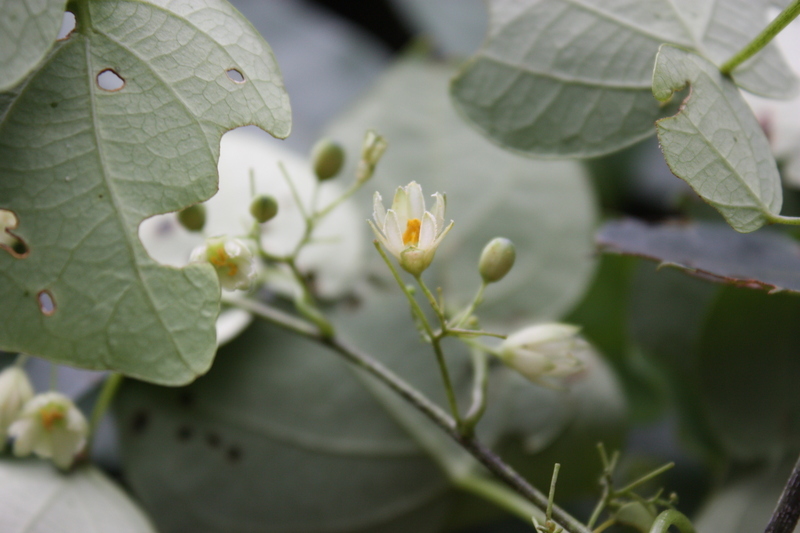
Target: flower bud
column 264, row 208
column 15, row 391
column 371, row 152
column 543, row 350
column 50, row 426
column 327, row 158
column 496, row 259
column 232, row 259
column 193, row 217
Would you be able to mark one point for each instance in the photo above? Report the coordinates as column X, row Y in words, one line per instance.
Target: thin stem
column 293, row 189
column 551, row 496
column 788, row 221
column 335, row 203
column 362, row 360
column 20, row 361
column 784, row 517
column 411, row 300
column 476, row 301
column 763, row 38
column 432, row 300
column 446, row 381
column 474, row 332
column 500, row 495
column 480, row 382
column 671, row 517
column 645, row 478
column 110, row 387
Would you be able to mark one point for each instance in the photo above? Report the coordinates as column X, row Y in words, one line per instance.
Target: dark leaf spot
column 213, row 440
column 185, row 433
column 234, row 454
column 139, row 422
column 186, row 399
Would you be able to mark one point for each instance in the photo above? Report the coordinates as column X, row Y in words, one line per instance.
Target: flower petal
column 378, row 211
column 438, row 210
column 416, row 200
column 394, row 235
column 442, row 235
column 400, row 207
column 427, row 232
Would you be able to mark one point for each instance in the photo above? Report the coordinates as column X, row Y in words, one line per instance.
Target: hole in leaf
column 234, row 75
column 108, row 80
column 8, row 241
column 67, row 26
column 46, row 303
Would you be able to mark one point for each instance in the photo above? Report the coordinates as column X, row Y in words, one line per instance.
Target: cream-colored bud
column 371, row 152
column 15, row 392
column 327, row 159
column 496, row 259
column 543, row 350
column 231, row 258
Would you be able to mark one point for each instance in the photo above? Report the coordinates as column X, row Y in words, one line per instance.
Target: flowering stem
column 433, row 302
column 293, row 189
column 448, row 383
column 763, row 38
column 471, row 444
column 480, row 383
column 476, row 301
column 110, row 387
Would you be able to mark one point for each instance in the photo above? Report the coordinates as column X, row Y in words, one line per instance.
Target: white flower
column 50, row 426
column 15, row 391
column 543, row 350
column 407, row 230
column 232, row 259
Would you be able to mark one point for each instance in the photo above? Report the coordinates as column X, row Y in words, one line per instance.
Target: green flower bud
column 193, row 217
column 496, row 259
column 264, row 208
column 327, row 158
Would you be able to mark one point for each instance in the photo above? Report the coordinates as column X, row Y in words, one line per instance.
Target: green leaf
column 765, row 260
column 37, row 498
column 82, row 166
column 28, row 28
column 748, row 370
column 572, row 77
column 546, row 208
column 715, row 143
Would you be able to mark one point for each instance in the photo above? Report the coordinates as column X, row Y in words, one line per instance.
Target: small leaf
column 715, row 143
column 572, row 78
column 545, row 208
column 82, row 163
column 29, row 29
column 767, row 260
column 37, row 498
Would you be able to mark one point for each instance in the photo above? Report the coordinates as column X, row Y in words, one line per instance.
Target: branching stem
column 784, row 517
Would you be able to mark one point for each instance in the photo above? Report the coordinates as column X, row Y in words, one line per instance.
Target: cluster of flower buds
column 48, row 424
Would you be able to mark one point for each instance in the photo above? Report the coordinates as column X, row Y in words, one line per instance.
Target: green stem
column 476, row 301
column 552, row 495
column 20, row 361
column 446, row 381
column 763, row 38
column 645, row 478
column 473, row 333
column 500, row 495
column 671, row 517
column 294, row 191
column 788, row 221
column 110, row 387
column 480, row 366
column 432, row 300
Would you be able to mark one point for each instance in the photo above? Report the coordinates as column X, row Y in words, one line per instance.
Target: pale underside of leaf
column 571, row 77
column 715, row 143
column 28, row 28
column 81, row 167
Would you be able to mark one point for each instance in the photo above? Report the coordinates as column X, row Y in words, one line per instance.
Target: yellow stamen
column 51, row 414
column 411, row 235
column 220, row 258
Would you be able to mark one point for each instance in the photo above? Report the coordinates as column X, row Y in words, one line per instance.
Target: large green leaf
column 748, row 369
column 28, row 28
column 545, row 208
column 764, row 260
column 82, row 166
column 36, row 498
column 715, row 143
column 573, row 77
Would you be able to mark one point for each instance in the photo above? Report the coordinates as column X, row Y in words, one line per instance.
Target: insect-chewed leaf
column 120, row 122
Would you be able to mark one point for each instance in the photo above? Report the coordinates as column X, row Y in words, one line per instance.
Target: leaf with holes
column 37, row 498
column 28, row 29
column 83, row 161
column 545, row 207
column 715, row 143
column 765, row 260
column 572, row 77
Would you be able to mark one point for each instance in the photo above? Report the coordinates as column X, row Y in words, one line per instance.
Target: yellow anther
column 51, row 414
column 411, row 235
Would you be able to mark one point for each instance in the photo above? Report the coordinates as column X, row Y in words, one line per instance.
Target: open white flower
column 50, row 426
column 232, row 258
column 407, row 230
column 543, row 350
column 15, row 391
